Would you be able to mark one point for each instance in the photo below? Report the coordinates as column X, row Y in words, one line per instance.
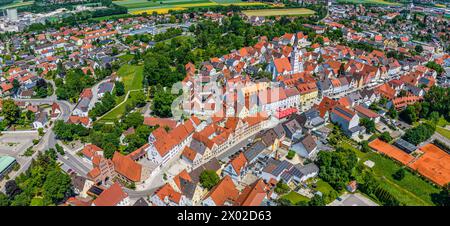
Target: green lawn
column 37, row 201
column 295, row 197
column 443, row 132
column 132, row 76
column 324, row 187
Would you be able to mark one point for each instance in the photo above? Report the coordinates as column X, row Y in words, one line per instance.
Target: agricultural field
column 380, row 2
column 280, row 12
column 16, row 4
column 163, row 6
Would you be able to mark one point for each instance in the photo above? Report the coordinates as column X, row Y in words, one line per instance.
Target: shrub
column 399, row 175
column 290, row 154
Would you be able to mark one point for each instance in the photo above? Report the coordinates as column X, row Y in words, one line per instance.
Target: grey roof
column 198, row 146
column 212, row 164
column 308, row 142
column 105, row 87
column 308, row 168
column 141, row 202
column 187, row 188
column 405, row 145
column 284, row 165
column 253, row 151
column 78, row 181
column 84, row 104
column 290, row 127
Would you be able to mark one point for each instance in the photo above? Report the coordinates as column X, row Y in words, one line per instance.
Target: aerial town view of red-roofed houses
column 224, row 103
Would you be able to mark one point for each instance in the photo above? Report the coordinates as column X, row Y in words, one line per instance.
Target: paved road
column 66, row 107
column 74, row 163
column 49, row 139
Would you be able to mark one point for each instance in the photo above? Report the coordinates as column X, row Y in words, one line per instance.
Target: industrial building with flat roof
column 6, row 165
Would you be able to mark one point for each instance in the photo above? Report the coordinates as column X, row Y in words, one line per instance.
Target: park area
column 132, row 77
column 280, row 12
column 379, row 2
column 163, row 6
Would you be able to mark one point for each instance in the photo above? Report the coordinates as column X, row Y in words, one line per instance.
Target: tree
column 11, row 189
column 162, row 103
column 209, row 179
column 365, row 146
column 134, row 120
column 56, row 187
column 419, row 48
column 336, row 167
column 41, row 131
column 419, row 133
column 399, row 174
column 10, row 111
column 21, row 199
column 68, row 132
column 317, row 200
column 409, row 115
column 385, row 136
column 393, row 113
column 435, row 66
column 4, row 201
column 108, row 150
column 369, row 124
column 119, row 88
column 443, row 197
column 281, row 187
column 290, row 154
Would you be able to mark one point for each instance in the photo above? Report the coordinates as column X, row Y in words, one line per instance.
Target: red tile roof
column 162, row 122
column 238, row 162
column 282, row 64
column 128, row 168
column 252, row 195
column 167, row 191
column 189, row 153
column 111, row 196
column 90, row 150
column 224, row 191
column 366, row 112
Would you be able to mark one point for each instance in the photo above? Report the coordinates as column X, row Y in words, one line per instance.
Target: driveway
column 356, row 199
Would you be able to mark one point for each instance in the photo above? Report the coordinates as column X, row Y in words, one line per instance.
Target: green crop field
column 280, row 12
column 379, row 2
column 16, row 4
column 163, row 6
column 142, row 4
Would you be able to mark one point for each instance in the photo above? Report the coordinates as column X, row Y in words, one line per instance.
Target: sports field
column 380, row 2
column 163, row 6
column 280, row 12
column 412, row 190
